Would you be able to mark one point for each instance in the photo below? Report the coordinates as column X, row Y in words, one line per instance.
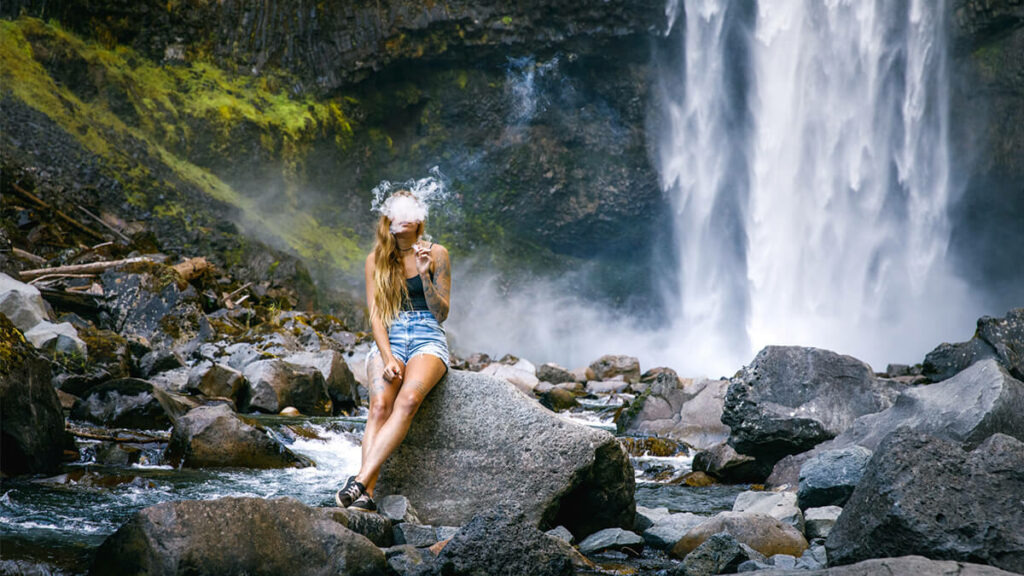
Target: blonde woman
column 408, row 282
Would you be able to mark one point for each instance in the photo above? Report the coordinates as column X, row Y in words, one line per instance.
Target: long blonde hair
column 388, row 272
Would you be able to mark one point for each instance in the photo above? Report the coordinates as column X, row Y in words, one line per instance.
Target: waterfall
column 805, row 152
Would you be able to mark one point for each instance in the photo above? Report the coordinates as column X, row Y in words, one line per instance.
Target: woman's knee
column 407, row 404
column 380, row 407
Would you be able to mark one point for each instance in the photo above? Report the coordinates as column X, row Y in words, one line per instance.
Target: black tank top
column 417, row 300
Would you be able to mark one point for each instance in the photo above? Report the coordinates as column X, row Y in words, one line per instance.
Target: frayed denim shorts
column 412, row 333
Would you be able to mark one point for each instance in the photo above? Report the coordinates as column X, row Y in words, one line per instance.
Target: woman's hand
column 393, row 370
column 423, row 259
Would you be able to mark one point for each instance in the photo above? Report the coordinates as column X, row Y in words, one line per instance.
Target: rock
column 767, row 535
column 970, row 407
column 409, row 560
column 149, row 301
column 397, row 509
column 159, row 360
column 172, row 380
column 551, row 372
column 925, row 495
column 664, row 532
column 31, row 419
column 721, row 553
column 615, row 539
column 724, row 463
column 124, row 403
column 829, row 478
column 373, row 526
column 501, row 447
column 241, row 354
column 697, row 479
column 687, row 410
column 609, row 366
column 21, row 303
column 524, row 380
column 341, row 383
column 562, row 533
column 609, row 387
column 115, row 454
column 780, row 505
column 904, row 565
column 236, row 536
column 647, row 517
column 506, row 539
column 558, row 399
column 418, row 535
column 216, row 380
column 786, row 472
column 214, row 437
column 582, row 374
column 896, row 370
column 998, row 338
column 60, row 338
column 274, row 384
column 818, row 522
column 477, row 362
column 790, row 399
column 651, row 446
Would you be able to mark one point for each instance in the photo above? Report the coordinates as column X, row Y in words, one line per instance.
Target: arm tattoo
column 437, row 287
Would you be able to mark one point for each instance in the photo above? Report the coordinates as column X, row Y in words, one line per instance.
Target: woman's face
column 403, row 227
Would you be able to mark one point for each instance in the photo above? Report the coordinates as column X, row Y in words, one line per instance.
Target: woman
column 408, row 282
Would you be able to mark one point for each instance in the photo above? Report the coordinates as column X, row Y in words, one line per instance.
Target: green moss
column 13, row 347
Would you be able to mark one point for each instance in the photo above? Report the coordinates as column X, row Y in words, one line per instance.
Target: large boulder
column 780, row 505
column 724, row 463
column 790, row 399
column 21, row 303
column 609, row 366
column 338, row 378
column 686, row 410
column 31, row 419
column 59, row 338
column 767, row 535
column 998, row 338
column 236, row 536
column 500, row 447
column 123, row 403
column 215, row 437
column 275, row 384
column 504, row 541
column 719, row 554
column 522, row 374
column 925, row 495
column 829, row 478
column 897, row 566
column 150, row 301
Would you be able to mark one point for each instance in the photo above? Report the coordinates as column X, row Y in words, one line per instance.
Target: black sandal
column 349, row 493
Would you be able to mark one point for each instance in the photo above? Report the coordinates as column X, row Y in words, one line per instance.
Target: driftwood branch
column 74, row 223
column 90, row 268
column 103, row 223
column 138, row 438
column 55, row 276
column 28, row 256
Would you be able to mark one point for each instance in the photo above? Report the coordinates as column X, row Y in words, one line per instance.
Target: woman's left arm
column 436, row 273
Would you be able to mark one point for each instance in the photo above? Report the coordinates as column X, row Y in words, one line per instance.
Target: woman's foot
column 364, row 503
column 349, row 493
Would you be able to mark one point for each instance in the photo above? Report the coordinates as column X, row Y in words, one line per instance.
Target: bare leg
column 382, row 400
column 421, row 375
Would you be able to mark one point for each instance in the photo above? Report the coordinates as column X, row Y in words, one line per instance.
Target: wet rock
column 409, row 560
column 607, row 387
column 551, row 372
column 790, row 399
column 609, row 366
column 686, row 410
column 652, row 446
column 521, row 375
column 21, row 303
column 31, row 419
column 172, row 380
column 124, row 403
column 724, row 463
column 60, row 338
column 508, row 539
column 615, row 539
column 341, row 384
column 418, row 535
column 397, row 509
column 562, row 533
column 373, row 526
column 501, row 447
column 781, row 505
column 761, row 532
column 159, row 360
column 275, row 384
column 896, row 566
column 998, row 338
column 477, row 362
column 665, row 531
column 558, row 399
column 818, row 522
column 149, row 301
column 925, row 495
column 216, row 380
column 217, row 537
column 721, row 553
column 829, row 478
column 970, row 407
column 214, row 437
column 646, row 517
column 116, row 454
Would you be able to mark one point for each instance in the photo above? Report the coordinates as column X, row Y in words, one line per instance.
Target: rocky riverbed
column 183, row 417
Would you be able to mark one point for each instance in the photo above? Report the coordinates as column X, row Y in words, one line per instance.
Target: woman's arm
column 380, row 332
column 437, row 282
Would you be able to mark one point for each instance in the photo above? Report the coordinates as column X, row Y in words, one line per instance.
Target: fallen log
column 74, row 223
column 28, row 256
column 90, row 268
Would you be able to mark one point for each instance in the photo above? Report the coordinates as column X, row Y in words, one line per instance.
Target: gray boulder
column 551, row 372
column 215, row 437
column 397, row 509
column 60, row 338
column 501, row 447
column 925, row 495
column 275, row 384
column 216, row 380
column 829, row 478
column 780, row 505
column 818, row 522
column 723, row 462
column 897, row 566
column 790, row 399
column 719, row 554
column 686, row 410
column 418, row 535
column 148, row 301
column 504, row 541
column 609, row 366
column 558, row 399
column 998, row 338
column 341, row 383
column 666, row 530
column 236, row 536
column 373, row 526
column 21, row 303
column 31, row 419
column 615, row 539
column 123, row 403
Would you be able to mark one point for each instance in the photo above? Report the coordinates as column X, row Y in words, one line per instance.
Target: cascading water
column 806, row 156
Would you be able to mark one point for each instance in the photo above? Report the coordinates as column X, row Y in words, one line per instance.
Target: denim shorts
column 414, row 332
